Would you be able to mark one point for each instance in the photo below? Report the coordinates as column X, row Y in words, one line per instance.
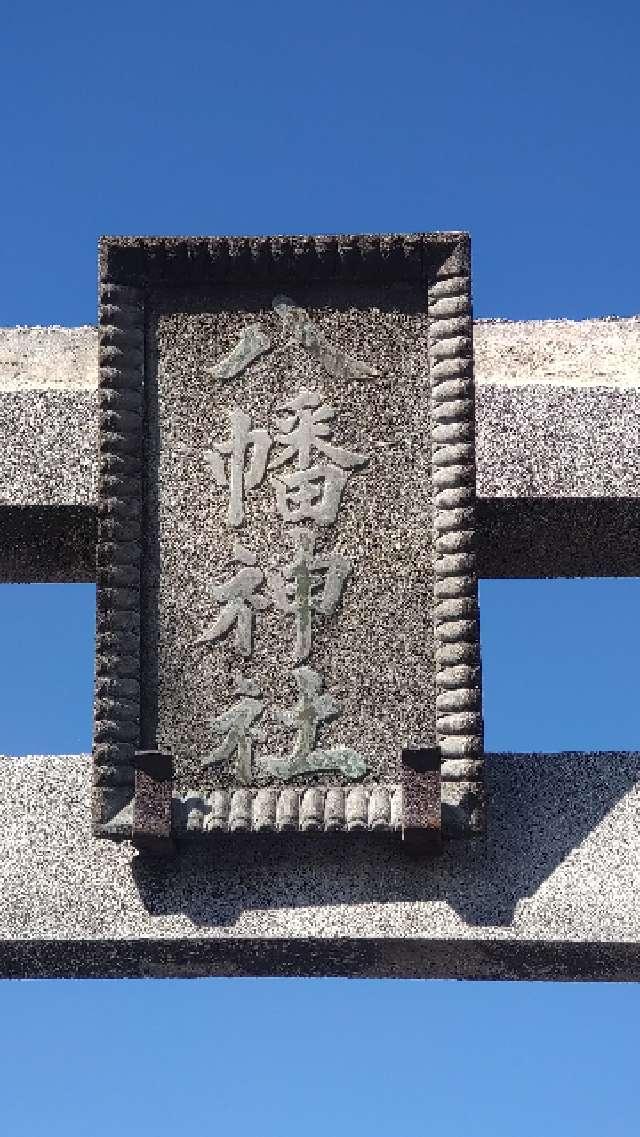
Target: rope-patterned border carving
column 304, row 809
column 117, row 679
column 129, row 265
column 271, row 261
column 459, row 728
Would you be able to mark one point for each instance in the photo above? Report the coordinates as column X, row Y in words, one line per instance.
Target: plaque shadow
column 540, row 807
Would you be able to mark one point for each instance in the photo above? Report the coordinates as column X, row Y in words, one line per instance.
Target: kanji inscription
column 294, row 537
column 311, row 493
column 287, row 602
column 312, row 709
column 243, row 441
column 236, row 725
column 308, row 585
column 240, row 598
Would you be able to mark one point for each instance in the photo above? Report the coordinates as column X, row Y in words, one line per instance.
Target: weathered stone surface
column 550, row 897
column 587, row 524
column 52, row 458
column 556, row 404
column 550, row 893
column 296, row 587
column 39, row 358
column 558, row 440
column 595, row 352
column 378, row 535
column 604, row 351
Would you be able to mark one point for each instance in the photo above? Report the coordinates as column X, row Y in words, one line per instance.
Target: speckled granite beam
column 558, row 442
column 550, row 894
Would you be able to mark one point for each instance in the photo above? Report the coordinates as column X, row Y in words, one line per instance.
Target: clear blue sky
column 518, row 122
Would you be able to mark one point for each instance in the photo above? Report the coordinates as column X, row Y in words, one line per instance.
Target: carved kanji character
column 312, row 710
column 312, row 492
column 236, row 723
column 301, row 330
column 308, row 428
column 244, row 443
column 309, row 583
column 240, row 599
column 251, row 344
column 310, row 495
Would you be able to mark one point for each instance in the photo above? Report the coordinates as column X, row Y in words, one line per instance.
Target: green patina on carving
column 340, row 760
column 309, row 583
column 300, row 329
column 236, row 723
column 252, row 343
column 240, row 598
column 297, row 329
column 312, row 710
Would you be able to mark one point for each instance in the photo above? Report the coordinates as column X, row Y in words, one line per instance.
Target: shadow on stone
column 541, row 807
column 550, row 537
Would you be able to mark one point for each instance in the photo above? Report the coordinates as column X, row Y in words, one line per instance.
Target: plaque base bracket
column 152, row 803
column 422, row 810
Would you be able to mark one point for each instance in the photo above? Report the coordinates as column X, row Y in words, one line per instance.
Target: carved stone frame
column 129, row 267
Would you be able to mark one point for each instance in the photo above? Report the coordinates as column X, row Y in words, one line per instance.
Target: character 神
column 310, row 583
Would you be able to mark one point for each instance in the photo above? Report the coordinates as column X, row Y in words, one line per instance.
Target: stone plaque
column 287, row 633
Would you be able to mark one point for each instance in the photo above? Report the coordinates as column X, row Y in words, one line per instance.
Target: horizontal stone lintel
column 558, row 449
column 558, row 482
column 362, row 958
column 549, row 893
column 517, row 537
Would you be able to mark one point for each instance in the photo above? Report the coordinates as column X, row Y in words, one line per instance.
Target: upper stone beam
column 604, row 351
column 558, row 441
column 578, row 352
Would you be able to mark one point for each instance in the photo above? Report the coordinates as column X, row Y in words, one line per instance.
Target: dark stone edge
column 152, row 805
column 47, row 544
column 459, row 723
column 518, row 537
column 536, row 537
column 127, row 267
column 150, row 261
column 118, row 553
column 357, row 958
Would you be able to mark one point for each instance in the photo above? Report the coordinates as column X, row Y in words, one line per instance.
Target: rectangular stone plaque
column 287, row 599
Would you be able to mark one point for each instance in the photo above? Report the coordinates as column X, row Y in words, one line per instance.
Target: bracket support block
column 421, row 807
column 152, row 803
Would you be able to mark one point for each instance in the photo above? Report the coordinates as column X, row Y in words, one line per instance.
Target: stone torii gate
column 552, row 890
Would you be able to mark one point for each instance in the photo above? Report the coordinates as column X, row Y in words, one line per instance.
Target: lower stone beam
column 552, row 898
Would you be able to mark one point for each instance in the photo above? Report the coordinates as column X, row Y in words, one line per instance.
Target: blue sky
column 515, row 121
